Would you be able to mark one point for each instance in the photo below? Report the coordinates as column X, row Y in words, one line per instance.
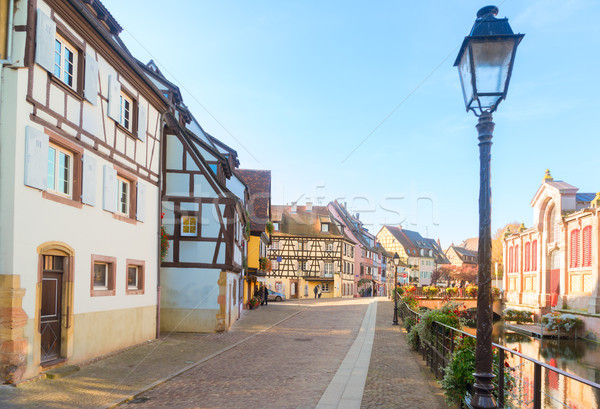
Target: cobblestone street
column 289, row 366
column 281, row 356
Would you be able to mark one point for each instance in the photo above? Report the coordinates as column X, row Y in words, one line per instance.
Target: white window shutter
column 90, row 90
column 114, row 94
column 141, row 202
column 45, row 38
column 110, row 189
column 142, row 119
column 36, row 158
column 88, row 188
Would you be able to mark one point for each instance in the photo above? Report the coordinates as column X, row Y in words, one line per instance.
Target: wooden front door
column 50, row 313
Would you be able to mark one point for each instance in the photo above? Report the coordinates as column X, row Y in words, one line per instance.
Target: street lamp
column 396, row 262
column 485, row 63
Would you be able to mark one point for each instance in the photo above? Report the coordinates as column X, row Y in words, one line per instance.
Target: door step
column 61, row 372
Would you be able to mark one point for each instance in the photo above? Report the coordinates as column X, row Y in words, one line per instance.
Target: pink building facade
column 555, row 263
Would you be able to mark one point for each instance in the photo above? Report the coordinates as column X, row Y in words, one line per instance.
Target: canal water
column 574, row 356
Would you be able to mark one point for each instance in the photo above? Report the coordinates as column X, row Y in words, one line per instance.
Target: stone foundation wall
column 13, row 319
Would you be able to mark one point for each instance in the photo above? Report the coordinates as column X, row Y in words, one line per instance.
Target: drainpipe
column 160, row 183
column 9, row 35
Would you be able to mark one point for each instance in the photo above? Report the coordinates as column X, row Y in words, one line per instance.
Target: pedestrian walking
column 266, row 296
column 316, row 290
column 319, row 291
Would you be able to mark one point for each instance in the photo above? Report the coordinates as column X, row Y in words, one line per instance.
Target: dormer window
column 325, row 227
column 275, row 226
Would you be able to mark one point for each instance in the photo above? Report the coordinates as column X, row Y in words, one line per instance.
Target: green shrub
column 449, row 315
column 413, row 338
column 458, row 377
column 409, row 322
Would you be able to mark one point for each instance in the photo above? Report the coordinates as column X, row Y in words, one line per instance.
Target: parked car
column 275, row 296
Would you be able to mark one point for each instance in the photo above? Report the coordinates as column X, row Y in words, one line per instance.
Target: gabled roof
column 225, row 150
column 304, row 223
column 356, row 227
column 470, row 244
column 558, row 185
column 462, row 253
column 440, row 257
column 259, row 189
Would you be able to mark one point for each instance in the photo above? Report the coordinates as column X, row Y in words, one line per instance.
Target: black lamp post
column 485, row 63
column 396, row 262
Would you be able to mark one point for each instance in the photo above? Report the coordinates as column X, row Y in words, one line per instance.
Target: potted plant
column 253, row 303
column 264, row 264
column 430, row 291
column 518, row 316
column 471, row 291
column 452, row 291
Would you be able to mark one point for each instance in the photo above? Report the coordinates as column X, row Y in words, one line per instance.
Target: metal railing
column 525, row 392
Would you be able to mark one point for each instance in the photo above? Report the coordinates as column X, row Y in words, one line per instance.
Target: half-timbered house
column 308, row 249
column 203, row 207
column 259, row 211
column 556, row 262
column 79, row 173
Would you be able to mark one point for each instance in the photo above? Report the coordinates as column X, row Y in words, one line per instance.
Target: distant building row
column 329, row 247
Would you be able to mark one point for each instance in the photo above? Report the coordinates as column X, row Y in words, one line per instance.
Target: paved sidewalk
column 398, row 377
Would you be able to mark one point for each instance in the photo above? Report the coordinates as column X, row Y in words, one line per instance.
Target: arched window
column 527, row 256
column 587, row 246
column 574, row 248
column 552, row 236
column 534, row 255
column 510, row 259
column 517, row 267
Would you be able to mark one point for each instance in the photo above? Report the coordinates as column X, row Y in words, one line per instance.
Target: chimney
column 345, row 205
column 294, row 207
column 357, row 216
column 309, row 206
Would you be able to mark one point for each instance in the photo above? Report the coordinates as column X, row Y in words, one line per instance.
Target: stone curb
column 195, row 364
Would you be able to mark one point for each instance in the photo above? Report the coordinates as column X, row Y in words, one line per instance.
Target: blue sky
column 360, row 100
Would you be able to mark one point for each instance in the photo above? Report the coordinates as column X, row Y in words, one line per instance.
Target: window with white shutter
column 44, row 41
column 36, row 158
column 90, row 90
column 110, row 189
column 88, row 188
column 114, row 98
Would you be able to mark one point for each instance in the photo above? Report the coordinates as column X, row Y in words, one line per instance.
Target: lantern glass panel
column 464, row 71
column 492, row 63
